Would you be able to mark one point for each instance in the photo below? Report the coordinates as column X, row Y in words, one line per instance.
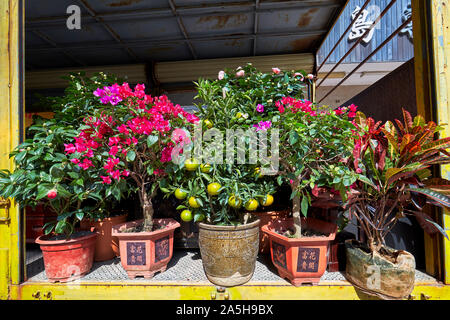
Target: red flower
column 52, row 194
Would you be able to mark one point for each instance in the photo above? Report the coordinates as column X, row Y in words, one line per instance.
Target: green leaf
column 293, row 137
column 165, row 190
column 131, row 155
column 63, row 192
column 79, row 215
column 304, row 206
column 181, row 207
column 56, row 172
column 42, row 191
column 436, row 196
column 151, row 140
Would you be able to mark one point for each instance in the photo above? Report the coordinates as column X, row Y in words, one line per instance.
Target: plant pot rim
column 171, row 224
column 271, row 212
column 229, row 228
column 43, row 240
column 332, row 229
column 355, row 244
column 105, row 219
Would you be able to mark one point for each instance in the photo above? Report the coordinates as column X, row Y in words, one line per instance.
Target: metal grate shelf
column 185, row 266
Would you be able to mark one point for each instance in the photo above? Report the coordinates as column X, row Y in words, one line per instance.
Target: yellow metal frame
column 10, row 96
column 11, row 230
column 440, row 14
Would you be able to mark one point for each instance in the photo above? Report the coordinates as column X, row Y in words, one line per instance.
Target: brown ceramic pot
column 145, row 253
column 106, row 246
column 377, row 276
column 266, row 218
column 229, row 252
column 300, row 260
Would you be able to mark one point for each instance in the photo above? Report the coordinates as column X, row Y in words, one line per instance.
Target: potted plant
column 253, row 95
column 394, row 180
column 315, row 144
column 77, row 103
column 44, row 177
column 133, row 149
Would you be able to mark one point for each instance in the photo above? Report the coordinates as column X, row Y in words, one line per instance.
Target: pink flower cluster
column 350, row 109
column 295, row 105
column 263, row 125
column 151, row 116
column 306, row 106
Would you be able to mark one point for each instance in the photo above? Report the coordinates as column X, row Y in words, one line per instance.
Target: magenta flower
column 260, row 108
column 263, row 125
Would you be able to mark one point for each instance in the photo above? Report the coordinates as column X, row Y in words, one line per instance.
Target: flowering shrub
column 253, row 94
column 136, row 144
column 43, row 173
column 315, row 146
column 393, row 176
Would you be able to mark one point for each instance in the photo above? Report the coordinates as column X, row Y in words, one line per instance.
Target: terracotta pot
column 35, row 220
column 106, row 246
column 375, row 275
column 67, row 260
column 229, row 252
column 300, row 260
column 145, row 253
column 266, row 218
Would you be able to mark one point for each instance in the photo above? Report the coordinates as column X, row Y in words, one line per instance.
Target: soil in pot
column 389, row 274
column 300, row 260
column 106, row 246
column 145, row 253
column 229, row 252
column 265, row 218
column 67, row 259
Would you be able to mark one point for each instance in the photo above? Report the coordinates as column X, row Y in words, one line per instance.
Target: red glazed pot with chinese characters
column 67, row 259
column 300, row 260
column 145, row 253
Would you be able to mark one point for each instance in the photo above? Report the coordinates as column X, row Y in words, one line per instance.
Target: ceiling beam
column 47, row 39
column 99, row 20
column 203, row 10
column 140, row 43
column 255, row 27
column 182, row 28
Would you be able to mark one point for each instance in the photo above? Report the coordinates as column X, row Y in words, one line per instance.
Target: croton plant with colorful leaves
column 135, row 143
column 394, row 164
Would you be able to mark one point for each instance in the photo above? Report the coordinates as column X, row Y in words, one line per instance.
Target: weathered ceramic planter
column 300, row 260
column 145, row 253
column 377, row 276
column 266, row 218
column 106, row 246
column 229, row 252
column 67, row 260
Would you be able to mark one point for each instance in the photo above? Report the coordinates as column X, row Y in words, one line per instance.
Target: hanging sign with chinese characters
column 361, row 25
column 408, row 29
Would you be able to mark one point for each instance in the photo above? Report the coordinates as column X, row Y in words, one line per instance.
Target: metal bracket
column 5, row 204
column 220, row 294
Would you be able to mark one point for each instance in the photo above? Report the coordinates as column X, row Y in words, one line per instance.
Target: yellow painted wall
column 10, row 93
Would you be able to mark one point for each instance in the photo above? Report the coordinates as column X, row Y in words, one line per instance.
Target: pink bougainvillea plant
column 133, row 144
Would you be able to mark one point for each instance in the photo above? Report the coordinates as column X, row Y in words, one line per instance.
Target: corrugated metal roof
column 139, row 31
